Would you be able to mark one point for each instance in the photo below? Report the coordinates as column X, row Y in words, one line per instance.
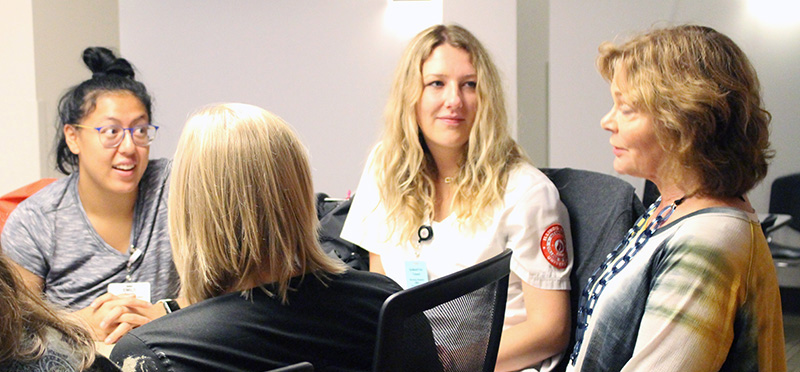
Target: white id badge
column 139, row 289
column 416, row 273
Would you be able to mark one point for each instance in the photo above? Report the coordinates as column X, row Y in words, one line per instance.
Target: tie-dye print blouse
column 700, row 295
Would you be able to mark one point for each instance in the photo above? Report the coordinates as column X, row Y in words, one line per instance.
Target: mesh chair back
column 449, row 324
column 298, row 367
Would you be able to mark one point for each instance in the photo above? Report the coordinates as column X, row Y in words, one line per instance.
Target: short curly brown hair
column 705, row 99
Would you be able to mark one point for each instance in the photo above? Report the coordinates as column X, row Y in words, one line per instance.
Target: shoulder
column 712, row 227
column 36, row 212
column 157, row 172
column 154, row 184
column 366, row 282
column 58, row 356
column 49, row 197
column 527, row 183
column 720, row 238
column 132, row 351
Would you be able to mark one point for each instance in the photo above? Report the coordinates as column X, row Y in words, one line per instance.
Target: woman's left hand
column 120, row 314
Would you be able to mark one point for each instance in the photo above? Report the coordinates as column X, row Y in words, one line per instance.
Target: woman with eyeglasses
column 104, row 227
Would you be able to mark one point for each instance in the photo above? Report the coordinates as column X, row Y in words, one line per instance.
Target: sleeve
column 131, row 351
column 365, row 225
column 539, row 234
column 26, row 239
column 691, row 310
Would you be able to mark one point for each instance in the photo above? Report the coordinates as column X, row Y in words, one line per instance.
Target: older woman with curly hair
column 692, row 286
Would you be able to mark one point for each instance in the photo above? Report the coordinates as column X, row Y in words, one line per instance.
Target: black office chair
column 461, row 313
column 601, row 210
column 298, row 367
column 784, row 199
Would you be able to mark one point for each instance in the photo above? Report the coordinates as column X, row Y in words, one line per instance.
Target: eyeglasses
column 112, row 135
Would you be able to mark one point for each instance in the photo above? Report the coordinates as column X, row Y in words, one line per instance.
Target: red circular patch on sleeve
column 554, row 246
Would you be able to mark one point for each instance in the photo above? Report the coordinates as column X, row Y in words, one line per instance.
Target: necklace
column 594, row 287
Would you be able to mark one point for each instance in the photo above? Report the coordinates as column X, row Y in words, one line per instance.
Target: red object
column 554, row 246
column 10, row 201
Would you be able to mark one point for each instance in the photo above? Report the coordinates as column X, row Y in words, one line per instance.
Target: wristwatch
column 170, row 305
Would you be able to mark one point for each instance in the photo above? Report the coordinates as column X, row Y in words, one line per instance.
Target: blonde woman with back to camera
column 692, row 287
column 447, row 187
column 243, row 228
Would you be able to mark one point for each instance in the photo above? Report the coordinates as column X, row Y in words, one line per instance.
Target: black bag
column 331, row 214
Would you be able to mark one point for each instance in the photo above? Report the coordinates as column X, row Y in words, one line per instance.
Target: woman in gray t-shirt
column 106, row 222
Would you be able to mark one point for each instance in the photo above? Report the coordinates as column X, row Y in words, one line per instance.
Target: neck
column 447, row 162
column 96, row 201
column 669, row 192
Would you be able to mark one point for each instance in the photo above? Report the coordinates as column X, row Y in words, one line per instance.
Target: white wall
column 19, row 134
column 42, row 43
column 579, row 96
column 323, row 66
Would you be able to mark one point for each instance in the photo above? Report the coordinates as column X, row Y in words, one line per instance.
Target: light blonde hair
column 26, row 318
column 405, row 169
column 241, row 206
column 705, row 98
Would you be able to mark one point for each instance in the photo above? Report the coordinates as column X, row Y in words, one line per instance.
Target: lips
column 451, row 119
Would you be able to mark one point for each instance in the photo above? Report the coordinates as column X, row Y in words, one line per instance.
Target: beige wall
column 42, row 45
column 18, row 113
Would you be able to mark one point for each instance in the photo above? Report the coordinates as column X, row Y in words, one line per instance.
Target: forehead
column 117, row 104
column 448, row 58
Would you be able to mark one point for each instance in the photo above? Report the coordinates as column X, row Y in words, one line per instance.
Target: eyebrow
column 140, row 117
column 470, row 76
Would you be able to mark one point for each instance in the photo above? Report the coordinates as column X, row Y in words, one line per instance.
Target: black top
column 333, row 327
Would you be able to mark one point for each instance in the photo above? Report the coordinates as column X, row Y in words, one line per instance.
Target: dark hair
column 706, row 100
column 109, row 74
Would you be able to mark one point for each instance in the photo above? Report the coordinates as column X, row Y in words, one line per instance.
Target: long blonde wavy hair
column 241, row 208
column 26, row 317
column 405, row 169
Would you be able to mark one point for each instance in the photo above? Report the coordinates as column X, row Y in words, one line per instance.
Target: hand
column 110, row 317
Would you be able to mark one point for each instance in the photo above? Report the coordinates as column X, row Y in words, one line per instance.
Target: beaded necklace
column 594, row 287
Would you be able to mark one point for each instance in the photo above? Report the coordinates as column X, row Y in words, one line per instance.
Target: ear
column 71, row 137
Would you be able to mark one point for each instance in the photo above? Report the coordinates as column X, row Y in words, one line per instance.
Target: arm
column 688, row 321
column 543, row 334
column 34, row 283
column 108, row 317
column 136, row 355
column 538, row 231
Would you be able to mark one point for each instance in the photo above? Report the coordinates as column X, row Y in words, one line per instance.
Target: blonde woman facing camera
column 692, row 286
column 447, row 188
column 243, row 228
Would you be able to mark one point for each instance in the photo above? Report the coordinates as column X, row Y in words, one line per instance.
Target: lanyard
column 136, row 255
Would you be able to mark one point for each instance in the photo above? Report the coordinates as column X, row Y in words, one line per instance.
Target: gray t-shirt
column 50, row 235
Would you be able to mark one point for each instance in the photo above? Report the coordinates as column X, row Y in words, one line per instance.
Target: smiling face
column 446, row 109
column 115, row 170
column 633, row 138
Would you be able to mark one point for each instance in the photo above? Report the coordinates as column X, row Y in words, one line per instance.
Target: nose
column 127, row 145
column 607, row 121
column 453, row 97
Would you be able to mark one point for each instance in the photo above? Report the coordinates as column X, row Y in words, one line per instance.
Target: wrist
column 170, row 305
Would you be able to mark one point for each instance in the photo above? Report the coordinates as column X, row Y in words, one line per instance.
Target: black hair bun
column 102, row 62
